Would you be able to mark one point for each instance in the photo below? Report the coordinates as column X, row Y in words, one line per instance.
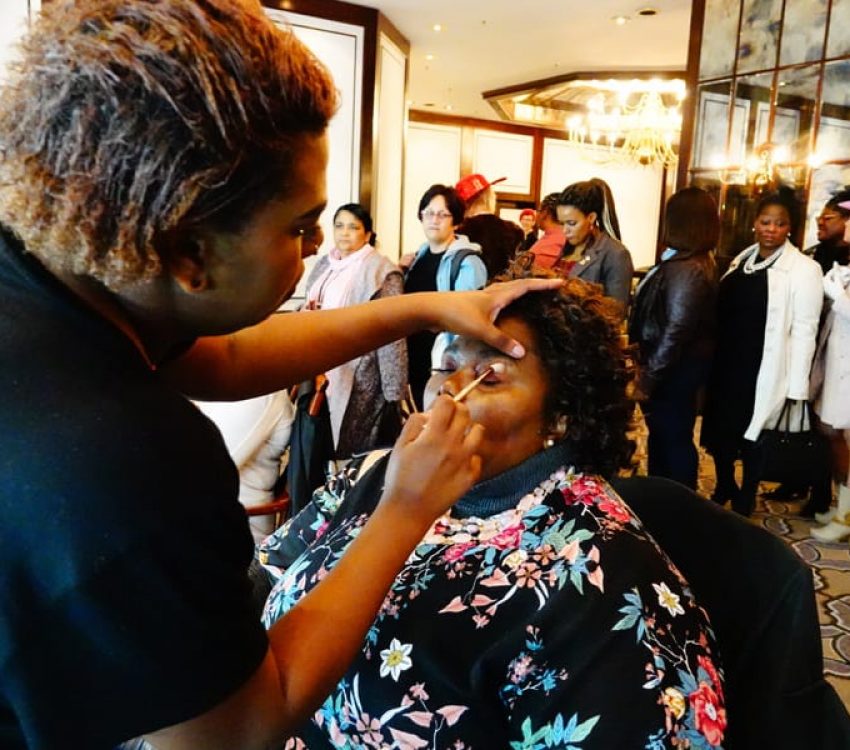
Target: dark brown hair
column 125, row 120
column 577, row 335
column 453, row 202
column 691, row 221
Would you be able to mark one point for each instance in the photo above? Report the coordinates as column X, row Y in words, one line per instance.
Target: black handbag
column 788, row 455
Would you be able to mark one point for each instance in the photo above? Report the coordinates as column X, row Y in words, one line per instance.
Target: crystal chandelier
column 644, row 131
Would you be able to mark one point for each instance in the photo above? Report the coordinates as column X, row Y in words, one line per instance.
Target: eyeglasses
column 441, row 215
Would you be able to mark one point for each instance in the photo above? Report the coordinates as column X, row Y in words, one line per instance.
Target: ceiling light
column 437, row 27
column 620, row 20
column 633, row 118
column 448, row 107
column 429, row 56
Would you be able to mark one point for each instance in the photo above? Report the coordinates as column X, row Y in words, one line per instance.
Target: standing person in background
column 832, row 247
column 499, row 239
column 769, row 302
column 446, row 262
column 161, row 163
column 831, row 390
column 363, row 392
column 672, row 323
column 528, row 222
column 587, row 212
column 548, row 249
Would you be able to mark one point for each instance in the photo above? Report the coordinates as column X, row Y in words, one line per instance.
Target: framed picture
column 712, row 125
column 833, row 138
column 786, row 125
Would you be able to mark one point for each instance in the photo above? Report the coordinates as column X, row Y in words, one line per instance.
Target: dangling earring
column 548, row 442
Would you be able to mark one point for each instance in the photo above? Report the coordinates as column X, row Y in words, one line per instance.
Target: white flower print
column 395, row 659
column 668, row 599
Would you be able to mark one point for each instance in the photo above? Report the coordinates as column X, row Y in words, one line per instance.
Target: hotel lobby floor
column 830, row 565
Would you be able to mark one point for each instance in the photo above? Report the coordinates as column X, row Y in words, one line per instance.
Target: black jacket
column 673, row 316
column 499, row 240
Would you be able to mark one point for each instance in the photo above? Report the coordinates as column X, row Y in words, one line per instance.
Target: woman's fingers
column 472, row 313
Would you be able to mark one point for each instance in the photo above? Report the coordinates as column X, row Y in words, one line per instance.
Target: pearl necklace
column 751, row 265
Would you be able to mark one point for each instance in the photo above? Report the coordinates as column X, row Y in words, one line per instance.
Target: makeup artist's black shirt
column 124, row 600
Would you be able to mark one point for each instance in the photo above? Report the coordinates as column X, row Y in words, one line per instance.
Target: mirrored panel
column 720, row 29
column 754, row 93
column 759, row 35
column 796, row 92
column 803, row 31
column 839, row 29
column 710, row 149
column 833, row 140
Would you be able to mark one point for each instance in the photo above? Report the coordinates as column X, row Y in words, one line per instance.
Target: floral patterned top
column 544, row 617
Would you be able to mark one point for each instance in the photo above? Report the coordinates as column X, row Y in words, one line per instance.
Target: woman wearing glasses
column 445, row 262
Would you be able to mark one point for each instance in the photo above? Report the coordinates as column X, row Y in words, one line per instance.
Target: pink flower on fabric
column 322, row 529
column 508, row 538
column 527, row 575
column 614, row 509
column 709, row 714
column 457, row 551
column 581, row 490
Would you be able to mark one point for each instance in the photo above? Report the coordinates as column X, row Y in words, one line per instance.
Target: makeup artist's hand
column 434, row 461
column 473, row 313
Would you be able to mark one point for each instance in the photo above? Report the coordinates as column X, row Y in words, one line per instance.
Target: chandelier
column 637, row 120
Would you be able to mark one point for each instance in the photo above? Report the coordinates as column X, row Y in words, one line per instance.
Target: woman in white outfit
column 769, row 304
column 831, row 382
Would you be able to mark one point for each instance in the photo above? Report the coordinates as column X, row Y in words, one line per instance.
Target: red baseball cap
column 527, row 212
column 473, row 184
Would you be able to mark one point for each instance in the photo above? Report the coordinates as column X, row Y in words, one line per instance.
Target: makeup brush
column 467, row 389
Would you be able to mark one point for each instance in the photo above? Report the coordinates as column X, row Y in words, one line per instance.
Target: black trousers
column 670, row 414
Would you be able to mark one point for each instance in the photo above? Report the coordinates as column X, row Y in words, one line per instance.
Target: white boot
column 839, row 527
column 825, row 518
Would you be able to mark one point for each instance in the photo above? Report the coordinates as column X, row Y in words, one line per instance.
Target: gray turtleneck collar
column 505, row 490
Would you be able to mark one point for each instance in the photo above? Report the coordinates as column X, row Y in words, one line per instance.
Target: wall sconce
column 759, row 169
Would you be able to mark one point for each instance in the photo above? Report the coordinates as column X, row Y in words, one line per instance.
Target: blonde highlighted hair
column 126, row 119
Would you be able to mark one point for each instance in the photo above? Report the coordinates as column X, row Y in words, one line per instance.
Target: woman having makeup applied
column 160, row 165
column 537, row 606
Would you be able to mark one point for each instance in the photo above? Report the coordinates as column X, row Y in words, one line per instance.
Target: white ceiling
column 499, row 43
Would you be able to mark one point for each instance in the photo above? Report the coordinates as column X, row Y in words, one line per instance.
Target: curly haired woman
column 160, row 163
column 537, row 606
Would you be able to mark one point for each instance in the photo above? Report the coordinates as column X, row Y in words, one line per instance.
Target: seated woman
column 538, row 606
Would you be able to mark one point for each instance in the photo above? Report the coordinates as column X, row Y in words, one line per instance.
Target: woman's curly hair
column 124, row 119
column 577, row 336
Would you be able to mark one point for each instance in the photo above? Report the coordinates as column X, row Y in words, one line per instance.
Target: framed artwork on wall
column 786, row 125
column 713, row 119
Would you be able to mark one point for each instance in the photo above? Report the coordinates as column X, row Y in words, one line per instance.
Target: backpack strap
column 457, row 259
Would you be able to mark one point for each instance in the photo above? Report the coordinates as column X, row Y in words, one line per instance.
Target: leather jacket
column 673, row 316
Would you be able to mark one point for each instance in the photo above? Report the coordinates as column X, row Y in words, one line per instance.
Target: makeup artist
column 529, row 608
column 161, row 163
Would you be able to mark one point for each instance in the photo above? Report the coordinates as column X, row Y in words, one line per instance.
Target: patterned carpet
column 830, row 564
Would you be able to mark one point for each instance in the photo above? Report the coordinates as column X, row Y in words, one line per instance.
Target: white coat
column 794, row 299
column 831, row 372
